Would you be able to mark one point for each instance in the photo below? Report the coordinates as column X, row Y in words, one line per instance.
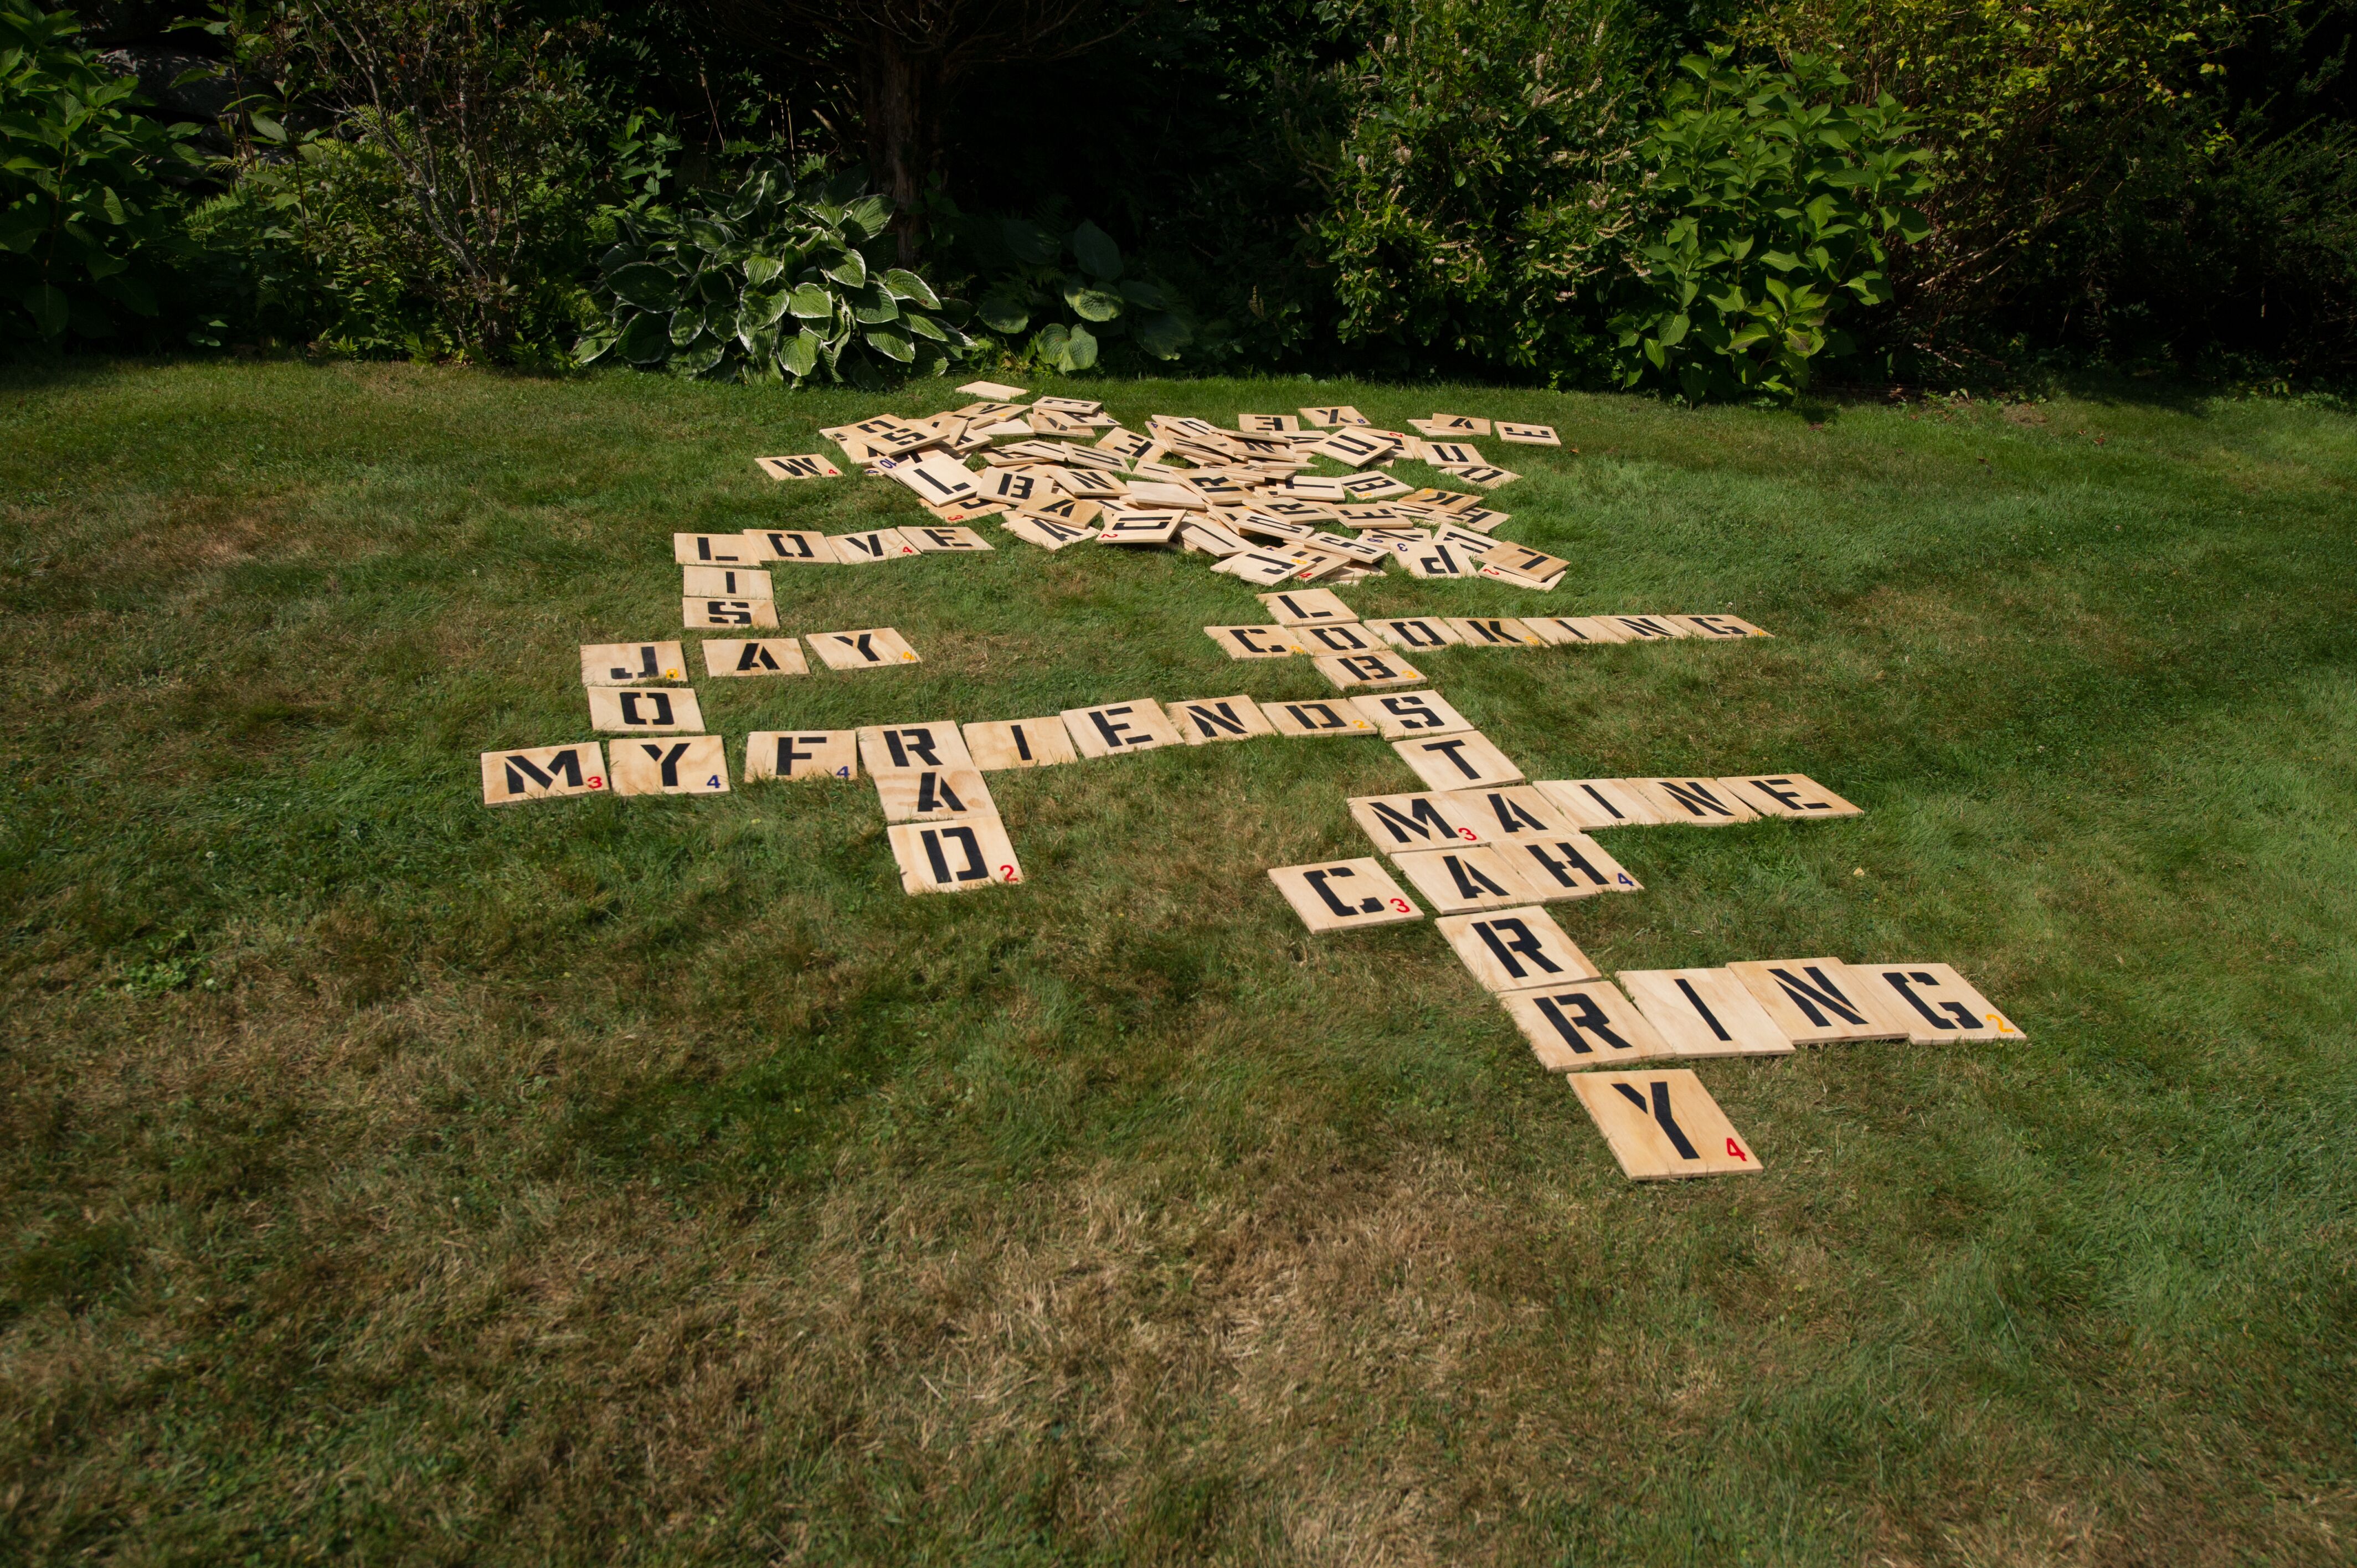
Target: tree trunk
column 900, row 92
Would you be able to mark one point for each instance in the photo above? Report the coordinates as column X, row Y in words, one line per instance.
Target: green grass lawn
column 392, row 1180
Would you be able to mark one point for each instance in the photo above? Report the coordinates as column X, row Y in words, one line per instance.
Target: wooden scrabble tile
column 1717, row 625
column 930, row 794
column 1266, row 424
column 1705, row 1013
column 1348, row 671
column 720, row 615
column 1133, row 528
column 1046, row 532
column 997, row 391
column 1465, row 761
column 1013, row 487
column 1649, row 629
column 805, row 546
column 1415, row 633
column 906, row 748
column 1478, row 519
column 1315, row 718
column 543, row 772
column 1511, row 811
column 1118, row 729
column 1365, row 552
column 1493, row 631
column 807, row 466
column 1573, row 631
column 1498, row 573
column 1334, row 637
column 1595, row 803
column 1445, row 424
column 1262, row 567
column 1086, row 408
column 675, row 765
column 1469, row 876
column 1487, row 476
column 1254, row 642
column 1528, row 435
column 763, row 655
column 1409, row 822
column 1523, row 562
column 631, row 663
column 1698, row 802
column 1306, row 607
column 1571, row 1027
column 1181, row 497
column 1443, row 453
column 931, row 541
column 1350, row 449
column 935, row 477
column 1566, row 865
column 1514, row 949
column 1815, row 1001
column 1932, row 1002
column 1304, row 513
column 1328, row 417
column 865, row 549
column 1663, row 1125
column 1343, row 895
column 1435, row 561
column 1255, row 523
column 1210, row 538
column 1313, row 487
column 1374, row 487
column 1019, row 743
column 801, row 754
column 1203, row 719
column 1788, row 795
column 1077, row 483
column 724, row 583
column 873, row 648
column 1401, row 715
column 954, row 855
column 713, row 550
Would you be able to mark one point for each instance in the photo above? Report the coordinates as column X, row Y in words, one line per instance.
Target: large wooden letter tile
column 724, row 583
column 801, row 754
column 1399, row 822
column 1719, row 626
column 1048, row 534
column 807, row 465
column 686, row 765
column 1593, row 803
column 952, row 856
column 1493, row 632
column 1019, row 743
column 1304, row 719
column 1464, row 761
column 1306, row 607
column 1471, row 876
column 650, row 710
column 1594, row 631
column 1573, row 867
column 1335, row 637
column 1517, row 950
column 1577, row 1027
column 1511, row 812
column 1254, row 642
column 1788, row 795
column 1649, row 629
column 1705, row 1013
column 875, row 649
column 765, row 656
column 802, row 547
column 1933, row 1002
column 540, row 772
column 1116, row 729
column 929, row 795
column 1415, row 633
column 713, row 550
column 1202, row 719
column 1815, row 1001
column 1700, row 802
column 630, row 663
column 932, row 540
column 1343, row 895
column 724, row 615
column 1407, row 716
column 1346, row 671
column 904, row 748
column 866, row 549
column 1663, row 1125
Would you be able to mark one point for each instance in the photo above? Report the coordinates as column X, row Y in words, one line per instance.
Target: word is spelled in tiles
column 876, row 647
column 724, row 583
column 1815, row 1001
column 1460, row 762
column 1468, row 877
column 908, row 748
column 763, row 655
column 543, row 772
column 1517, row 950
column 1575, row 1027
column 1348, row 671
column 1344, row 894
column 630, row 663
column 953, row 856
column 649, row 709
column 1401, row 715
column 1705, row 1013
column 723, row 615
column 1116, row 729
column 1310, row 719
column 693, row 764
column 930, row 794
column 1201, row 720
column 1663, row 1125
column 1019, row 743
column 1934, row 1004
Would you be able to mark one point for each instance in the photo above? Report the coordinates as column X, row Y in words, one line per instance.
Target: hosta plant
column 781, row 280
column 1080, row 275
column 1777, row 202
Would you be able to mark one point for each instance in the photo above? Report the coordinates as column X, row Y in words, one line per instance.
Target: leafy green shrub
column 779, row 280
column 1778, row 203
column 1081, row 272
column 85, row 225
